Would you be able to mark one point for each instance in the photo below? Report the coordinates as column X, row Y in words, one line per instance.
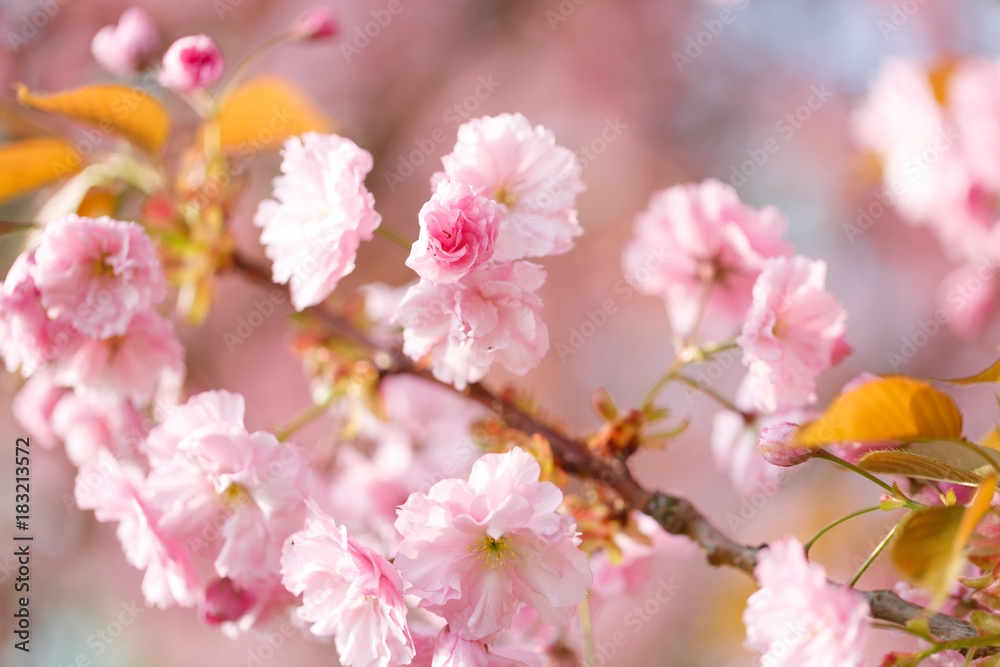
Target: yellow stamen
column 495, row 553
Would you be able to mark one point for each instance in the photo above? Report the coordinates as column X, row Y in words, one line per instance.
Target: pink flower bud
column 319, row 23
column 191, row 63
column 775, row 445
column 127, row 47
column 223, row 602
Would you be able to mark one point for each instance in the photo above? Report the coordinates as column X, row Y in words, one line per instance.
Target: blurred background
column 649, row 94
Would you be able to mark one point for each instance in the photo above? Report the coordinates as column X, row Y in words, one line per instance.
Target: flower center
column 234, row 496
column 493, row 553
column 504, row 197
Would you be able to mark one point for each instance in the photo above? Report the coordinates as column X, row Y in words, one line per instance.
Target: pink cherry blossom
column 701, row 249
column 127, row 47
column 458, row 228
column 798, row 618
column 534, row 180
column 33, row 406
column 793, row 332
column 97, row 273
column 223, row 602
column 348, row 591
column 28, row 338
column 248, row 484
column 89, row 429
column 191, row 64
column 112, row 490
column 491, row 315
column 126, row 367
column 476, row 551
column 451, row 650
column 320, row 213
column 776, row 446
column 318, row 23
column 734, row 442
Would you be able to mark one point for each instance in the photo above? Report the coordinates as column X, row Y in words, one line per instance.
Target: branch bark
column 676, row 515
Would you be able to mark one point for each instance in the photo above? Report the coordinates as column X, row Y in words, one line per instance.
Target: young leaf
column 265, row 111
column 127, row 112
column 991, row 374
column 908, row 464
column 32, row 163
column 892, row 408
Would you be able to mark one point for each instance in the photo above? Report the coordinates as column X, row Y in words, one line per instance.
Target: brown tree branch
column 676, row 515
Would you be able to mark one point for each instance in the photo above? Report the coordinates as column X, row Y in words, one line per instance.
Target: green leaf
column 908, row 464
column 892, row 408
column 987, row 623
column 127, row 112
column 33, row 163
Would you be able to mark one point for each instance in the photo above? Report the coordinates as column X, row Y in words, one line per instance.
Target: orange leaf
column 991, row 374
column 265, row 111
column 127, row 112
column 891, row 408
column 32, row 163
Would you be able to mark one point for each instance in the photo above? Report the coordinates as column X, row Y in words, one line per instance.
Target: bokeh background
column 653, row 93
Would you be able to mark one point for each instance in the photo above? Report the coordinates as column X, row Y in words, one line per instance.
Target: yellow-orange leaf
column 991, row 374
column 908, row 464
column 127, row 112
column 891, row 408
column 930, row 547
column 265, row 111
column 32, row 163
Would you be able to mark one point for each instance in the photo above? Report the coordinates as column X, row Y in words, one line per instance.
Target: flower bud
column 127, row 47
column 776, row 446
column 223, row 602
column 191, row 63
column 319, row 23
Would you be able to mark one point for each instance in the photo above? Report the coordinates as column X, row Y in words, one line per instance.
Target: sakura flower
column 111, row 489
column 534, row 180
column 318, row 23
column 33, row 406
column 320, row 213
column 191, row 64
column 797, row 618
column 793, row 332
column 350, row 592
column 475, row 552
column 734, row 441
column 776, row 446
column 701, row 249
column 458, row 228
column 126, row 367
column 492, row 315
column 90, row 429
column 97, row 273
column 28, row 338
column 451, row 650
column 127, row 47
column 249, row 484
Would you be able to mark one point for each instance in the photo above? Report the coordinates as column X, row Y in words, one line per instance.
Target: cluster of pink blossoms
column 77, row 317
column 507, row 192
column 722, row 266
column 936, row 133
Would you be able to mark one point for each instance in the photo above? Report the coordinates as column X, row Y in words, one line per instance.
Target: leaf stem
column 304, row 417
column 587, row 628
column 823, row 454
column 395, row 237
column 871, row 559
column 829, row 526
